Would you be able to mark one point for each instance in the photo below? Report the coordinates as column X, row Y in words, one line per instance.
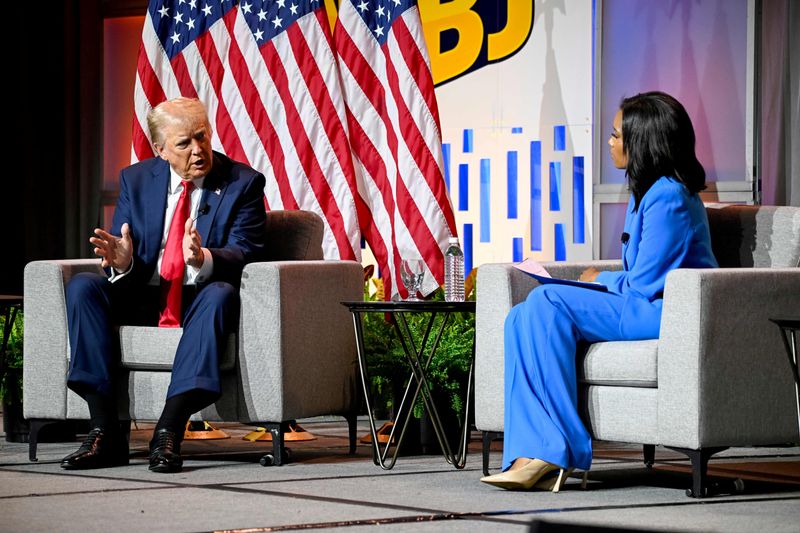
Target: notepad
column 540, row 274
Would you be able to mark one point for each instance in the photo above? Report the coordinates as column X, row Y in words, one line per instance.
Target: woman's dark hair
column 658, row 139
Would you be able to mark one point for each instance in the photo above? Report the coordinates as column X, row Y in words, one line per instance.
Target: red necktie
column 172, row 265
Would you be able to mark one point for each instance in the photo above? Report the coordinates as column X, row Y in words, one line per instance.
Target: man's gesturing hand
column 192, row 243
column 115, row 251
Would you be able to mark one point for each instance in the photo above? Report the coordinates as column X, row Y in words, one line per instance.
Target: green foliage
column 11, row 378
column 448, row 370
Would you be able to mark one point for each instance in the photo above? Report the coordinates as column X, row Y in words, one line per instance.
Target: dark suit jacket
column 231, row 219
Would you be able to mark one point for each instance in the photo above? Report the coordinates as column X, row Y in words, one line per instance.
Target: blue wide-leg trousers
column 95, row 307
column 541, row 336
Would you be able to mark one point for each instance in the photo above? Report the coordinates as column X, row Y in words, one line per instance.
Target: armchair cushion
column 152, row 348
column 620, row 364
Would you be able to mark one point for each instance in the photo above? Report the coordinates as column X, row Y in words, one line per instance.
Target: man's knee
column 219, row 295
column 85, row 285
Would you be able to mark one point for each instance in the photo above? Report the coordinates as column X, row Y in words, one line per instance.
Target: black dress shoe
column 165, row 452
column 101, row 449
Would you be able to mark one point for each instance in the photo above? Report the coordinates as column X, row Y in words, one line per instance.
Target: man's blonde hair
column 179, row 110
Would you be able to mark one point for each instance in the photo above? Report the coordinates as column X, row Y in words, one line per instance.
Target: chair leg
column 649, row 451
column 699, row 458
column 57, row 431
column 36, row 425
column 352, row 431
column 280, row 454
column 488, row 437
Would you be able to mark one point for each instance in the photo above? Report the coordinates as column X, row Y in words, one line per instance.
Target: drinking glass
column 411, row 272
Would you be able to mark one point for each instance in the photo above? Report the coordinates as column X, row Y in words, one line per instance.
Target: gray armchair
column 717, row 375
column 293, row 356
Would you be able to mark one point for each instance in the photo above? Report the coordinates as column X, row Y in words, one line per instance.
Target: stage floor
column 223, row 487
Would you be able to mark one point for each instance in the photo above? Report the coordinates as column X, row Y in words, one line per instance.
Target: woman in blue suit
column 665, row 228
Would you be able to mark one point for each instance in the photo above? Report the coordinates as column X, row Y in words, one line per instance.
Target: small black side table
column 418, row 363
column 789, row 330
column 9, row 305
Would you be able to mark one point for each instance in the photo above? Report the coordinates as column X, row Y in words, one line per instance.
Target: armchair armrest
column 500, row 287
column 46, row 346
column 723, row 378
column 293, row 326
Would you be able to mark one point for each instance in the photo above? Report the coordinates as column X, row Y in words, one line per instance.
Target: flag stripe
column 225, row 129
column 416, row 164
column 308, row 161
column 182, row 76
column 412, row 50
column 426, row 131
column 263, row 127
column 382, row 240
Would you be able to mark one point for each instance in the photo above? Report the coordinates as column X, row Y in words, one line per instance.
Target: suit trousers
column 541, row 336
column 95, row 307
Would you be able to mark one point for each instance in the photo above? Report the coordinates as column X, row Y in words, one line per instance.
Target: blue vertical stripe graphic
column 516, row 129
column 511, row 183
column 486, row 211
column 560, row 245
column 468, row 147
column 516, row 249
column 468, row 249
column 578, row 214
column 555, row 186
column 446, row 156
column 463, row 187
column 536, row 195
column 559, row 138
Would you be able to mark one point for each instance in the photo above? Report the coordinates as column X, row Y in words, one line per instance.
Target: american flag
column 269, row 77
column 395, row 135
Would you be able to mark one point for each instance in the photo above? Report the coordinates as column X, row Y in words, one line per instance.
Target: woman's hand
column 590, row 274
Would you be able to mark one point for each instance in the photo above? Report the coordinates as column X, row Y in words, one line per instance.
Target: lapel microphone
column 202, row 211
column 624, row 237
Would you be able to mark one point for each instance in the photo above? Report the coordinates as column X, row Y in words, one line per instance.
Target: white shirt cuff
column 199, row 275
column 117, row 275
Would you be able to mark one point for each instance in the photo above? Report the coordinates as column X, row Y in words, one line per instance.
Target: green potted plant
column 447, row 374
column 15, row 426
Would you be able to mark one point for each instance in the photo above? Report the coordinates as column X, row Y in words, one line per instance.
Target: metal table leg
column 418, row 364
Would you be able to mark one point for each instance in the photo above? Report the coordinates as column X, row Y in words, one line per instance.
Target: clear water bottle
column 453, row 272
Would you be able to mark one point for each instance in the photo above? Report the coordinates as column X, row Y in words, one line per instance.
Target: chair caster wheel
column 691, row 494
column 269, row 459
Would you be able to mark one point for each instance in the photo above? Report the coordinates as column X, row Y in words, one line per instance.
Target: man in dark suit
column 185, row 225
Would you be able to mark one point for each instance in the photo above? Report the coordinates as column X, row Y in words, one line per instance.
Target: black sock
column 180, row 407
column 102, row 411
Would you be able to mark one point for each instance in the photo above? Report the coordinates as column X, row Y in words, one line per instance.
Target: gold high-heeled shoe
column 521, row 478
column 555, row 483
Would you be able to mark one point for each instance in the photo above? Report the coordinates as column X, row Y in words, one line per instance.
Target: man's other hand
column 192, row 243
column 116, row 252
